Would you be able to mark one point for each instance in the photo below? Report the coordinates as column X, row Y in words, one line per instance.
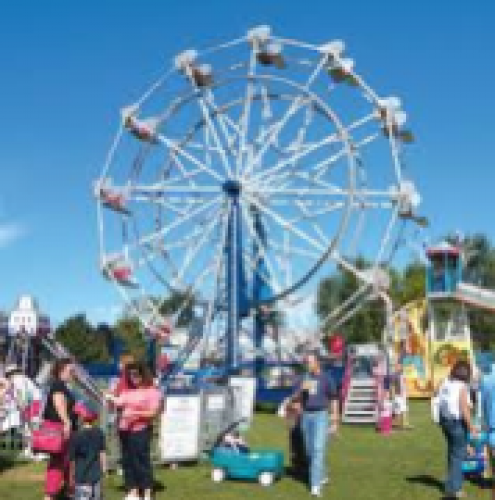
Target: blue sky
column 68, row 67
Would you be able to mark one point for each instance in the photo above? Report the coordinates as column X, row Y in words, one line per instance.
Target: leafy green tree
column 368, row 323
column 129, row 330
column 179, row 301
column 79, row 337
column 479, row 270
column 412, row 284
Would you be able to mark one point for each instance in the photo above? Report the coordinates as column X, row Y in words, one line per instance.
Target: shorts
column 88, row 491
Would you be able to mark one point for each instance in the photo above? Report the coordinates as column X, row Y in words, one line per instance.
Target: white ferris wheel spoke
column 211, row 126
column 178, row 221
column 300, row 101
column 223, row 123
column 169, row 189
column 186, row 175
column 199, row 244
column 332, row 138
column 175, row 147
column 180, row 205
column 311, row 217
column 348, row 308
column 293, row 250
column 246, row 112
column 322, row 167
column 388, row 233
column 274, row 132
column 314, row 224
column 285, row 224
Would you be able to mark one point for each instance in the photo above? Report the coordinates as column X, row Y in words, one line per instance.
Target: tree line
column 407, row 285
column 91, row 344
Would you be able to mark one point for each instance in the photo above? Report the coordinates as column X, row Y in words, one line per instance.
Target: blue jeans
column 315, row 431
column 456, row 437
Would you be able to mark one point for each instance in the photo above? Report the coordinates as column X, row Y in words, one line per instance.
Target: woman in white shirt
column 455, row 420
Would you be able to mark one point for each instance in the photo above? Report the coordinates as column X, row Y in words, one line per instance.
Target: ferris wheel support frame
column 236, row 299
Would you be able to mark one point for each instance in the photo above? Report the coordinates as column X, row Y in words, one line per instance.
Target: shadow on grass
column 297, row 474
column 8, row 462
column 434, row 483
column 158, row 487
column 425, row 480
column 481, row 482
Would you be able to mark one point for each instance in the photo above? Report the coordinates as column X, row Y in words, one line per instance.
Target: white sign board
column 244, row 392
column 366, row 350
column 179, row 428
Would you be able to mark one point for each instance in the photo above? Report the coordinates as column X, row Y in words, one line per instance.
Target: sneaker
column 324, row 481
column 316, row 491
column 132, row 496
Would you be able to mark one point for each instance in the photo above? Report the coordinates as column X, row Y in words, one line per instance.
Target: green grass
column 363, row 464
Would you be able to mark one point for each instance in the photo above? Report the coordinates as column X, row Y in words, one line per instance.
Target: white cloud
column 9, row 233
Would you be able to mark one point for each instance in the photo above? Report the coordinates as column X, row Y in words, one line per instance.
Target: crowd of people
column 80, row 463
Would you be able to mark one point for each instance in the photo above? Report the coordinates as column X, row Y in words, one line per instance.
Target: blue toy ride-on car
column 264, row 466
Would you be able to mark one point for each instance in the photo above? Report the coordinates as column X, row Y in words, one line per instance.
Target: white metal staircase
column 360, row 405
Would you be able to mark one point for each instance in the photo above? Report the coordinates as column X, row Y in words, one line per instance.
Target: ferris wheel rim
column 352, row 193
column 325, row 109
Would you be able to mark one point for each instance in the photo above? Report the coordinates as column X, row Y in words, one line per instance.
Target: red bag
column 48, row 438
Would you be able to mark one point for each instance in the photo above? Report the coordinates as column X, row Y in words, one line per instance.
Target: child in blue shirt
column 87, row 453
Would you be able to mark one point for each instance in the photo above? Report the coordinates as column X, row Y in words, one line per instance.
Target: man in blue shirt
column 317, row 390
column 487, row 389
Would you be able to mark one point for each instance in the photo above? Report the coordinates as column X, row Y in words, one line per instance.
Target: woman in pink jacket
column 140, row 404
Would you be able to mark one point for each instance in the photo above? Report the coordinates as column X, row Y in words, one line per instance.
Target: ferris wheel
column 244, row 173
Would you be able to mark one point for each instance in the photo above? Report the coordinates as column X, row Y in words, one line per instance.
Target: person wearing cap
column 317, row 392
column 87, row 454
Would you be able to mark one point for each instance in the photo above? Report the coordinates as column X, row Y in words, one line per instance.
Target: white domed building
column 26, row 326
column 27, row 319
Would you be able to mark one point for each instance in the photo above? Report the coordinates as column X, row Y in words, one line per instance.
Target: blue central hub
column 232, row 187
